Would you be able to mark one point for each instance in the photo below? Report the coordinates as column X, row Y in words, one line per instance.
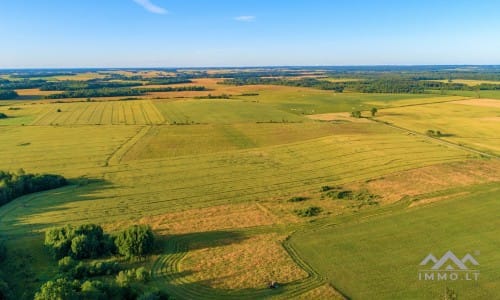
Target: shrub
column 142, row 275
column 137, row 240
column 84, row 241
column 61, row 288
column 66, row 264
column 297, row 199
column 3, row 116
column 309, row 212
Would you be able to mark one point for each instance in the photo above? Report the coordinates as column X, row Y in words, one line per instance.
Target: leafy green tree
column 137, row 240
column 93, row 290
column 59, row 289
column 356, row 114
column 374, row 110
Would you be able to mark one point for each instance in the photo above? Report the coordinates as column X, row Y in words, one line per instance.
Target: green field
column 377, row 259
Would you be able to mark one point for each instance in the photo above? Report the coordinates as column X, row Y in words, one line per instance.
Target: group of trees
column 85, row 85
column 84, row 241
column 70, row 244
column 119, row 92
column 90, row 241
column 8, row 94
column 13, row 185
column 304, row 82
column 65, row 288
column 385, row 84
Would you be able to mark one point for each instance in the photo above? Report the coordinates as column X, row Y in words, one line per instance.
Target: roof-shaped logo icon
column 449, row 261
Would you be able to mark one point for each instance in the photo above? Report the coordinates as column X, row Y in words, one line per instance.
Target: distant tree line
column 21, row 84
column 8, row 94
column 85, row 85
column 388, row 84
column 173, row 89
column 105, row 92
column 167, row 80
column 119, row 92
column 13, row 185
column 304, row 82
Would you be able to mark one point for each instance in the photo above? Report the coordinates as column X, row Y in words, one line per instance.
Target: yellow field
column 473, row 123
column 469, row 81
column 100, row 113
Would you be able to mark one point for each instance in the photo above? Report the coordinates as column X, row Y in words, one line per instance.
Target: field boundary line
column 117, row 155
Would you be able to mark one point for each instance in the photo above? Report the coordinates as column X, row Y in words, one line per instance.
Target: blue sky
column 182, row 33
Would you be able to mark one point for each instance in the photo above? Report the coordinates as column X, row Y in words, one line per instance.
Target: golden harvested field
column 130, row 112
column 460, row 122
column 255, row 261
column 470, row 82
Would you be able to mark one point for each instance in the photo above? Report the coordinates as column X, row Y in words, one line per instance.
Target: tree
column 137, row 240
column 356, row 114
column 60, row 289
column 374, row 110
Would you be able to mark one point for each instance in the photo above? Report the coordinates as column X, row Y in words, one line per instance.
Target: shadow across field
column 24, row 215
column 200, row 240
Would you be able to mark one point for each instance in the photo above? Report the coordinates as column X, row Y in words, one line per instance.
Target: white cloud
column 151, row 7
column 245, row 18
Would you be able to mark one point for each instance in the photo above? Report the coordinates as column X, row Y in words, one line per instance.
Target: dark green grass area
column 379, row 257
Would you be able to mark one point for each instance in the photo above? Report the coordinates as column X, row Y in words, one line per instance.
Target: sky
column 222, row 33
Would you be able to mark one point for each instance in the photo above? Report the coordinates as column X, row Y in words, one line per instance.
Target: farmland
column 248, row 184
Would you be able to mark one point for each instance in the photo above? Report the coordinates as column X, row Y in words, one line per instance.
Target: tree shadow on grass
column 199, row 240
column 16, row 217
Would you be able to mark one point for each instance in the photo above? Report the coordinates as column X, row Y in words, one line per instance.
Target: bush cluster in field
column 310, row 211
column 89, row 241
column 363, row 197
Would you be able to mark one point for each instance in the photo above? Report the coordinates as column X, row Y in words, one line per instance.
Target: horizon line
column 247, row 66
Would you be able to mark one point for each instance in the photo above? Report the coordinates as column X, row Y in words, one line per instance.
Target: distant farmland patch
column 131, row 112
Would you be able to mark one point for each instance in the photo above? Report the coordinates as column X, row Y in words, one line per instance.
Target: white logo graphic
column 449, row 267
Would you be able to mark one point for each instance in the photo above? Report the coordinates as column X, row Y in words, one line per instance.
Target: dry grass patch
column 207, row 219
column 480, row 102
column 251, row 263
column 343, row 117
column 433, row 178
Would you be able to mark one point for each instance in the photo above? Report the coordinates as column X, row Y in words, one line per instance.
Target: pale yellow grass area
column 480, row 102
column 323, row 292
column 250, row 263
column 36, row 92
column 343, row 116
column 433, row 178
column 207, row 219
column 469, row 82
column 416, row 101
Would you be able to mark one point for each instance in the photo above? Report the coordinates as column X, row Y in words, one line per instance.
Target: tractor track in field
column 167, row 274
column 117, row 155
